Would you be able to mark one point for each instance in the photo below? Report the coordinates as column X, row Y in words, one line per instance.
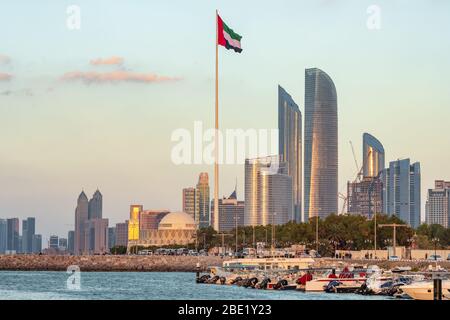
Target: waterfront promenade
column 107, row 263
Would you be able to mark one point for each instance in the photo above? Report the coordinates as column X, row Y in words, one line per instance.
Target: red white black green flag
column 227, row 37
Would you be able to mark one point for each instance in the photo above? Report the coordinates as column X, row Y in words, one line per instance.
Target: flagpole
column 216, row 138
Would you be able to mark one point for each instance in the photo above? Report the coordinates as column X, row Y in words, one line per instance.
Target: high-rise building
column 290, row 146
column 373, row 156
column 437, row 207
column 96, row 236
column 122, row 234
column 12, row 242
column 203, row 200
column 28, row 231
column 365, row 197
column 62, row 244
column 70, row 241
column 3, row 235
column 111, row 237
column 81, row 217
column 133, row 224
column 191, row 203
column 150, row 219
column 36, row 246
column 54, row 242
column 321, row 145
column 268, row 192
column 95, row 206
column 231, row 212
column 401, row 194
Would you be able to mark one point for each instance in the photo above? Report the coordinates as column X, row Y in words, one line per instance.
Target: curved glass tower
column 321, row 145
column 373, row 156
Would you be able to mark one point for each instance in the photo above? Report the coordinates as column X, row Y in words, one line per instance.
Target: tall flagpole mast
column 216, row 138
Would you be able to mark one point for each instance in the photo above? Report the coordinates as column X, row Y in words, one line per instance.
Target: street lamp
column 435, row 241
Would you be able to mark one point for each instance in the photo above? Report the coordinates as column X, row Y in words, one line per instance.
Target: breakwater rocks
column 108, row 263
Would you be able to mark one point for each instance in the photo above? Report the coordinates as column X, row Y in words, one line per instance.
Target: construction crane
column 394, row 235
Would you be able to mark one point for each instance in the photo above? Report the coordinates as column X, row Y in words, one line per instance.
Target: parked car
column 394, row 258
column 435, row 257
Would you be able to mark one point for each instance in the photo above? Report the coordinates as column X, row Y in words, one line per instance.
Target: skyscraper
column 402, row 191
column 71, row 241
column 373, row 156
column 96, row 236
column 12, row 242
column 437, row 208
column 203, row 200
column 231, row 212
column 290, row 145
column 54, row 242
column 95, row 206
column 191, row 203
column 28, row 231
column 268, row 192
column 36, row 246
column 3, row 235
column 122, row 234
column 81, row 217
column 321, row 145
column 133, row 224
column 111, row 237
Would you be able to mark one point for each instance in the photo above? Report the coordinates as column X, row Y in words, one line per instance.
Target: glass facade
column 290, row 145
column 373, row 156
column 268, row 192
column 203, row 200
column 321, row 145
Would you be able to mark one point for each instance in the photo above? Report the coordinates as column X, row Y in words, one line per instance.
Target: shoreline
column 109, row 263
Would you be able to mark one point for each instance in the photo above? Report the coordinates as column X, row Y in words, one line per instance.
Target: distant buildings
column 133, row 224
column 437, row 207
column 62, row 244
column 150, row 219
column 91, row 230
column 190, row 203
column 365, row 197
column 231, row 212
column 402, row 191
column 54, row 242
column 122, row 234
column 203, row 200
column 3, row 236
column 71, row 241
column 12, row 235
column 37, row 243
column 111, row 237
column 268, row 192
column 290, row 146
column 28, row 231
column 321, row 145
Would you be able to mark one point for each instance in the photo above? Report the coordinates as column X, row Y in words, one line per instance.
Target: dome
column 177, row 221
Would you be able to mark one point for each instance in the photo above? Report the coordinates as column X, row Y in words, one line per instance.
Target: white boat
column 423, row 290
column 269, row 263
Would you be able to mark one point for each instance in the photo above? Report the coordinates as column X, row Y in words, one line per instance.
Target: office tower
column 437, row 207
column 62, row 244
column 95, row 206
column 81, row 217
column 290, row 145
column 122, row 234
column 12, row 242
column 231, row 212
column 3, row 236
column 19, row 248
column 203, row 199
column 111, row 237
column 54, row 242
column 133, row 223
column 191, row 203
column 96, row 236
column 401, row 195
column 268, row 192
column 150, row 219
column 28, row 231
column 71, row 241
column 36, row 244
column 321, row 145
column 365, row 197
column 373, row 156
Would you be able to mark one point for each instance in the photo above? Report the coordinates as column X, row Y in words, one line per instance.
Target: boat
column 346, row 278
column 423, row 290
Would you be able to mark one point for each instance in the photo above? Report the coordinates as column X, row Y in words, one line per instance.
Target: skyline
column 46, row 136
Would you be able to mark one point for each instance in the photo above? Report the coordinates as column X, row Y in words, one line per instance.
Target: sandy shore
column 107, row 263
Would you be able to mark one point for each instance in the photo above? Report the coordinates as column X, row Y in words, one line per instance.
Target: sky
column 95, row 107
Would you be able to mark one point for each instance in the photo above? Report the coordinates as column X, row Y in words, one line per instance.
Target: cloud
column 5, row 76
column 107, row 61
column 4, row 59
column 116, row 77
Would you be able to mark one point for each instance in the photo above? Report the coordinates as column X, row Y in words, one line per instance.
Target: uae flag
column 227, row 37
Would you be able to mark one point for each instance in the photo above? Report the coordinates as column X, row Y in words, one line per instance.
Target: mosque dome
column 177, row 221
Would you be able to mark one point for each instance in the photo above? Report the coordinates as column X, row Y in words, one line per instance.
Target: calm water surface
column 138, row 285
